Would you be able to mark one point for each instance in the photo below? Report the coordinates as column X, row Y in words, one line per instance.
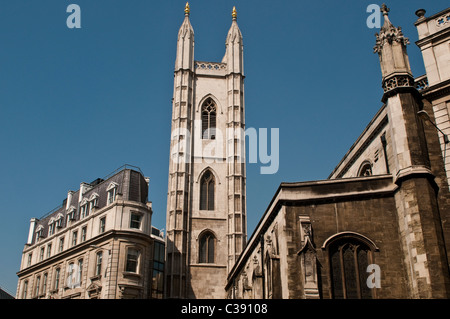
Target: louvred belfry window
column 207, row 191
column 209, row 112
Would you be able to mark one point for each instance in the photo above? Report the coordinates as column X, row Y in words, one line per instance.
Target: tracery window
column 207, row 191
column 349, row 258
column 209, row 111
column 206, row 251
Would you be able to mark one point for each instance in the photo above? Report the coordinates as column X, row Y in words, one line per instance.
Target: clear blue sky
column 76, row 104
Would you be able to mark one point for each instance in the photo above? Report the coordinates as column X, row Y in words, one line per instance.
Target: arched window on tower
column 206, row 251
column 209, row 111
column 349, row 257
column 207, row 191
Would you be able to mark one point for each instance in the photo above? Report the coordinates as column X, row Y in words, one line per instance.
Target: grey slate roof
column 131, row 184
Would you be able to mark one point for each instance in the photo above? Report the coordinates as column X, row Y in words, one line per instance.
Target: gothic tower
column 416, row 197
column 206, row 224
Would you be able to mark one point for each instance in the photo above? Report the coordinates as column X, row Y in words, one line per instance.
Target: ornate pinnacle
column 187, row 10
column 384, row 9
column 234, row 13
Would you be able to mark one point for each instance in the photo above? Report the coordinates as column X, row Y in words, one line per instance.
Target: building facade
column 378, row 227
column 206, row 224
column 98, row 244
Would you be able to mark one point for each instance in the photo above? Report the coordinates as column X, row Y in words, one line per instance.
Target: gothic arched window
column 206, row 251
column 349, row 258
column 207, row 191
column 209, row 112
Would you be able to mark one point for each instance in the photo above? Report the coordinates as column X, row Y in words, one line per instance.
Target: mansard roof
column 130, row 183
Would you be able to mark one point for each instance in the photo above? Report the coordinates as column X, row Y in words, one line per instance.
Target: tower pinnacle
column 234, row 13
column 187, row 10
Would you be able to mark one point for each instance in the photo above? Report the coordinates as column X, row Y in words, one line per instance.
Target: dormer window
column 39, row 232
column 84, row 208
column 71, row 213
column 93, row 201
column 59, row 220
column 51, row 227
column 112, row 192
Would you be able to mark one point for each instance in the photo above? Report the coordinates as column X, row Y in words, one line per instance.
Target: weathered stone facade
column 206, row 189
column 97, row 245
column 378, row 228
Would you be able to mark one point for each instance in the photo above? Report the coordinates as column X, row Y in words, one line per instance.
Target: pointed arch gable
column 206, row 231
column 208, row 168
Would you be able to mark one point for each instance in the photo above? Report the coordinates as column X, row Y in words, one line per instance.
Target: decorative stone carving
column 213, row 66
column 398, row 81
column 388, row 33
column 308, row 260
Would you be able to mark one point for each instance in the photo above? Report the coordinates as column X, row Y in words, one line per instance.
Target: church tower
column 416, row 197
column 206, row 207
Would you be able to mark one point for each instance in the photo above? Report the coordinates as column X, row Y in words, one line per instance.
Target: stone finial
column 421, row 13
column 234, row 13
column 187, row 10
column 384, row 9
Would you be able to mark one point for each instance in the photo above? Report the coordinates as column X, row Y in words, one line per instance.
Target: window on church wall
column 349, row 259
column 207, row 191
column 206, row 251
column 209, row 112
column 365, row 170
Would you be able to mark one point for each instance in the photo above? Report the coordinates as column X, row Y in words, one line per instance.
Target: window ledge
column 208, row 265
column 131, row 274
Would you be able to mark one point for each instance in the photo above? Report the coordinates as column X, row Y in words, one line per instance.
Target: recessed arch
column 365, row 169
column 215, row 99
column 207, row 242
column 207, row 191
column 216, row 176
column 350, row 234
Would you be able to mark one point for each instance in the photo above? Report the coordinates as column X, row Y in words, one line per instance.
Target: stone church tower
column 206, row 210
column 418, row 207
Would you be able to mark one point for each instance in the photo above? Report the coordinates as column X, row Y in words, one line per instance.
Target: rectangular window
column 41, row 254
column 74, row 238
column 83, row 233
column 57, row 273
column 30, row 255
column 61, row 244
column 112, row 195
column 84, row 211
column 25, row 288
column 44, row 284
column 51, row 229
column 102, row 225
column 132, row 260
column 98, row 264
column 38, row 283
column 80, row 272
column 49, row 250
column 135, row 221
